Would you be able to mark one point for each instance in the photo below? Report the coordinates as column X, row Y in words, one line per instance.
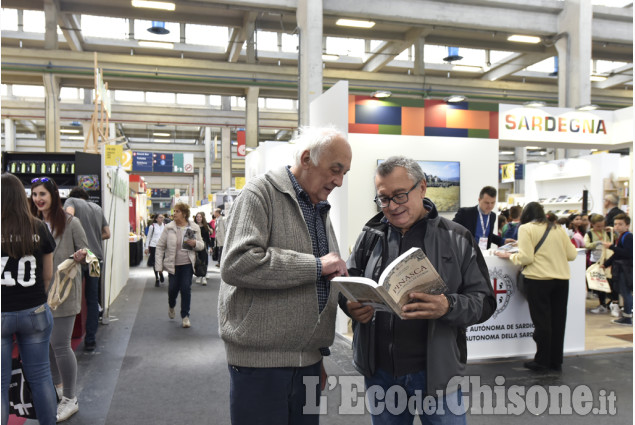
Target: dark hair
column 19, row 232
column 204, row 221
column 625, row 218
column 551, row 217
column 78, row 192
column 489, row 191
column 515, row 212
column 57, row 215
column 563, row 220
column 533, row 211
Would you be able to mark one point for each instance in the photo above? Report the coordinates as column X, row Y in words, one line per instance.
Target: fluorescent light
column 524, row 39
column 534, row 104
column 594, row 150
column 69, row 131
column 162, row 140
column 455, row 98
column 354, row 23
column 153, row 4
column 533, row 148
column 381, row 94
column 156, row 44
column 161, row 134
column 598, row 78
column 467, row 68
column 326, row 57
column 589, row 107
column 506, row 152
column 75, row 137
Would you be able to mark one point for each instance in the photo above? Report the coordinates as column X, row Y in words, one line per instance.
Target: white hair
column 315, row 140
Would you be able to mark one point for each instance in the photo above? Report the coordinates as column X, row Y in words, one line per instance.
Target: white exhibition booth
column 352, row 206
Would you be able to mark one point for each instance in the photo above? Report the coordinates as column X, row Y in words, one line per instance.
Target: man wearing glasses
column 422, row 353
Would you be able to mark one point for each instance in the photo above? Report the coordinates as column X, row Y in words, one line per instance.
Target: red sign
column 240, row 139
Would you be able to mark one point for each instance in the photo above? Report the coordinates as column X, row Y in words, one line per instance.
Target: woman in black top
column 205, row 234
column 27, row 268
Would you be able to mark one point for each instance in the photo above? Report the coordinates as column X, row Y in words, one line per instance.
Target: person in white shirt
column 154, row 233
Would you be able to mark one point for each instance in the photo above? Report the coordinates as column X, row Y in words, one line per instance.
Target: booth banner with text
column 141, row 161
column 113, row 155
column 554, row 125
column 508, row 172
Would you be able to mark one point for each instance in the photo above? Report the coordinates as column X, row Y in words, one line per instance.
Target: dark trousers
column 547, row 301
column 272, row 396
column 92, row 303
column 181, row 282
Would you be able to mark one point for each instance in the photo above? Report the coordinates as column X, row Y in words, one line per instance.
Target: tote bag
column 20, row 397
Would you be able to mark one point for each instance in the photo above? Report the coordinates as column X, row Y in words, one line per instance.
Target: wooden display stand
column 620, row 188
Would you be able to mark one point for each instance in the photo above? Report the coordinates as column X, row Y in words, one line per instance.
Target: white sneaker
column 615, row 310
column 599, row 310
column 204, row 281
column 171, row 313
column 186, row 322
column 67, row 408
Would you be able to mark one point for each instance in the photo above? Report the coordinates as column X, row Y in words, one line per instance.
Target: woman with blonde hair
column 176, row 254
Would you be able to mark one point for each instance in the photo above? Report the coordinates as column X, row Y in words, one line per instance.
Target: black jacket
column 468, row 218
column 458, row 260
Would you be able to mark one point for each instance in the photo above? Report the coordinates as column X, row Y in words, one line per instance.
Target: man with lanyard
column 479, row 220
column 622, row 262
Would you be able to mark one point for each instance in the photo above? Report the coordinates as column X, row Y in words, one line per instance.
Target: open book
column 410, row 272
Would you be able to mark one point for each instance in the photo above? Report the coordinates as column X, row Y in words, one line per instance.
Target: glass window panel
column 4, row 89
column 214, row 100
column 206, row 35
column 34, row 21
column 546, row 65
column 286, row 104
column 267, row 41
column 28, row 91
column 497, row 56
column 406, row 55
column 129, row 96
column 474, row 57
column 190, row 99
column 345, row 46
column 605, row 67
column 104, row 27
column 141, row 32
column 374, row 44
column 238, row 102
column 69, row 93
column 434, row 54
column 290, row 43
column 9, row 19
column 159, row 97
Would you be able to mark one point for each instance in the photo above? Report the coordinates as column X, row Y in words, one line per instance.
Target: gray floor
column 149, row 370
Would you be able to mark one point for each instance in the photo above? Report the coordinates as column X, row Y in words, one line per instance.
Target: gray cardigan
column 71, row 240
column 267, row 304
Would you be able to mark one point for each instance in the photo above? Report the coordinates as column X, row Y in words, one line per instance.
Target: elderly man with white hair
column 610, row 204
column 276, row 310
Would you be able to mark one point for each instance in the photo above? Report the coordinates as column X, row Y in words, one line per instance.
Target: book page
column 362, row 290
column 411, row 272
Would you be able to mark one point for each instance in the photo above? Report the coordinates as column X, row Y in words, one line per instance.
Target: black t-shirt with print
column 22, row 283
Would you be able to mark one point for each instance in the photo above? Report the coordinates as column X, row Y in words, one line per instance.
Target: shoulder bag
column 520, row 279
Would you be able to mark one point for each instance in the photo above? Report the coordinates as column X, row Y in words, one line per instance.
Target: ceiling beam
column 514, row 63
column 387, row 51
column 239, row 36
column 72, row 31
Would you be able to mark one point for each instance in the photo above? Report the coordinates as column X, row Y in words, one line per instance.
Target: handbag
column 20, row 396
column 215, row 253
column 596, row 276
column 520, row 279
column 200, row 266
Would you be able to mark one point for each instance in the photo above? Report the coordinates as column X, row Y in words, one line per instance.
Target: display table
column 136, row 252
column 508, row 333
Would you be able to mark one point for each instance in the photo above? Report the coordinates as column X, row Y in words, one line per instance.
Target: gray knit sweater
column 267, row 305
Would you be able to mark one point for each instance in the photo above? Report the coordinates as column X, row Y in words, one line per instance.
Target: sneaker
column 626, row 321
column 90, row 345
column 599, row 310
column 67, row 408
column 171, row 313
column 204, row 282
column 615, row 310
column 186, row 322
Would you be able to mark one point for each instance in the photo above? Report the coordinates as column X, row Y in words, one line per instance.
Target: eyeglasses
column 400, row 198
column 40, row 180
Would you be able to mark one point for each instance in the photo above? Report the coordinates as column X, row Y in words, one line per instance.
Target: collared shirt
column 314, row 218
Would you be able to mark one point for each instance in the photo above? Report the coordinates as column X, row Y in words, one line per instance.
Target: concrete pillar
column 208, row 161
column 574, row 54
column 309, row 17
column 200, row 186
column 521, row 158
column 226, row 158
column 419, row 44
column 251, row 125
column 52, row 113
column 112, row 132
column 9, row 135
column 50, row 24
column 251, row 47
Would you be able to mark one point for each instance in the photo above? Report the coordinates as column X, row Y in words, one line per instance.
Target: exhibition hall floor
column 147, row 369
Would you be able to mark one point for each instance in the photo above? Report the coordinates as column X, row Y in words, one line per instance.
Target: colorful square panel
column 387, row 115
column 413, row 121
column 459, row 118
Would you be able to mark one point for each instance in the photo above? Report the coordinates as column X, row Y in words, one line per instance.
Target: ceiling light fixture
column 453, row 55
column 75, row 137
column 589, row 107
column 381, row 94
column 154, row 4
column 327, row 57
column 354, row 23
column 161, row 134
column 534, row 104
column 524, row 39
column 533, row 148
column 506, row 152
column 69, row 131
column 156, row 44
column 598, row 78
column 455, row 98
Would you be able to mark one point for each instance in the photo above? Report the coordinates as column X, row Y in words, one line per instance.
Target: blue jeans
column 626, row 293
column 388, row 400
column 273, row 395
column 92, row 304
column 32, row 331
column 181, row 281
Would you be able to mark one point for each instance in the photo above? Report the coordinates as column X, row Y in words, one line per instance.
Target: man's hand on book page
column 360, row 313
column 425, row 306
column 333, row 266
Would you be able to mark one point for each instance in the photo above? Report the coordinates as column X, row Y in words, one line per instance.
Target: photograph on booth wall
column 443, row 179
